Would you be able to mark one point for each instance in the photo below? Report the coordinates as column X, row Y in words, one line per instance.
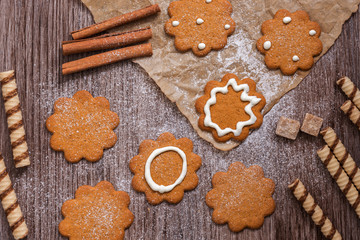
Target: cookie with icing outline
column 97, row 212
column 234, row 112
column 290, row 41
column 163, row 161
column 82, row 127
column 241, row 197
column 200, row 25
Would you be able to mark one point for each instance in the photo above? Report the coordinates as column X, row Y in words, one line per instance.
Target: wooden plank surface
column 30, row 35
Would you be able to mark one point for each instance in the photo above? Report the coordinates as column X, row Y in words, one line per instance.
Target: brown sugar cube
column 311, row 124
column 287, row 128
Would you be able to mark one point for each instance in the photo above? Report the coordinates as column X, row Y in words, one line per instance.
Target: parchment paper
column 182, row 76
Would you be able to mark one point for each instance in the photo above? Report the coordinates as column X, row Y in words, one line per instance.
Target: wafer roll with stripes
column 315, row 212
column 350, row 90
column 10, row 204
column 342, row 155
column 343, row 181
column 352, row 112
column 14, row 119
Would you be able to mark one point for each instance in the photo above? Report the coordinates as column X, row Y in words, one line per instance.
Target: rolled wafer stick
column 106, row 41
column 10, row 204
column 14, row 119
column 115, row 22
column 342, row 155
column 101, row 59
column 342, row 180
column 350, row 90
column 313, row 209
column 352, row 112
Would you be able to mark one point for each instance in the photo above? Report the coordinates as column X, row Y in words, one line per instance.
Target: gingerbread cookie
column 241, row 197
column 165, row 168
column 97, row 212
column 230, row 108
column 82, row 127
column 200, row 25
column 290, row 41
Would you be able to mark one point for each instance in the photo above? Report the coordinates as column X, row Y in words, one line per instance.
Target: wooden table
column 31, row 33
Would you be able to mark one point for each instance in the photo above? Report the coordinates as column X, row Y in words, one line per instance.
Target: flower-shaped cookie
column 97, row 212
column 290, row 41
column 82, row 127
column 200, row 25
column 165, row 168
column 241, row 197
column 230, row 108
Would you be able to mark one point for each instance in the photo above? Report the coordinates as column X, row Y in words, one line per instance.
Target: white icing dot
column 175, row 23
column 295, row 58
column 199, row 21
column 286, row 20
column 267, row 45
column 227, row 26
column 201, row 46
column 208, row 1
column 312, row 32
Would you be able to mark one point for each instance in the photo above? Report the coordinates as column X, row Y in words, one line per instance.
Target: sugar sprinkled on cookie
column 97, row 212
column 241, row 197
column 202, row 21
column 82, row 126
column 294, row 41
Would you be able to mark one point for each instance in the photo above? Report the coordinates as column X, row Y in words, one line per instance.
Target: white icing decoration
column 295, row 58
column 267, row 45
column 244, row 97
column 175, row 23
column 286, row 20
column 201, row 46
column 208, row 1
column 227, row 26
column 312, row 32
column 199, row 21
column 150, row 181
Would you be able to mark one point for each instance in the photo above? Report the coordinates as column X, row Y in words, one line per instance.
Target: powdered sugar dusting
column 182, row 76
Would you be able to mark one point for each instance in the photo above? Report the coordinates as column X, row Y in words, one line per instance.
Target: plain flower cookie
column 82, row 126
column 165, row 168
column 200, row 25
column 241, row 197
column 97, row 212
column 290, row 41
column 230, row 108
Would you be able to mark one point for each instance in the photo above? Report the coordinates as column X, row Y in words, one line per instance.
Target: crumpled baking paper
column 182, row 76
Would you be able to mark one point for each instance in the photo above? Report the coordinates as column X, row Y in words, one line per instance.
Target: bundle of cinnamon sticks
column 124, row 41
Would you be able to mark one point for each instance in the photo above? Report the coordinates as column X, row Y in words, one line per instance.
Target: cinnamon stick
column 101, row 59
column 106, row 41
column 115, row 22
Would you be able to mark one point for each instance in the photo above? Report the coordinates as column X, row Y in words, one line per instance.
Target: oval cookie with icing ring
column 165, row 168
column 290, row 41
column 200, row 25
column 230, row 108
